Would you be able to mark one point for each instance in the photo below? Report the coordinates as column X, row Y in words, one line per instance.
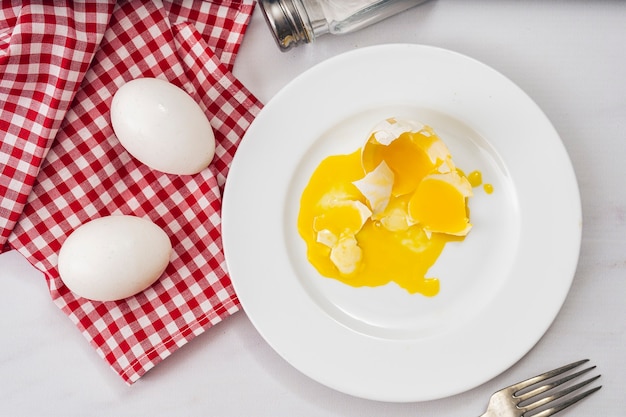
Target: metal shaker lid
column 286, row 23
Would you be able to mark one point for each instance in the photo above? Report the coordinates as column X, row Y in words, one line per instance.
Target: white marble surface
column 569, row 56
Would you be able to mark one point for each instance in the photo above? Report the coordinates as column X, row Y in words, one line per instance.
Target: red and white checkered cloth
column 61, row 164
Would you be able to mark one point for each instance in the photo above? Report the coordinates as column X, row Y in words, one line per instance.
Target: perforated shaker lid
column 286, row 23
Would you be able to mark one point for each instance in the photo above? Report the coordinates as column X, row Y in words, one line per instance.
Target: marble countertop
column 569, row 56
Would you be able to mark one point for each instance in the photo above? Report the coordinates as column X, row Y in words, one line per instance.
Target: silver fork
column 520, row 399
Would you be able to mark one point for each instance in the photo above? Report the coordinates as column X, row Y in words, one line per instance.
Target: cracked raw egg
column 385, row 212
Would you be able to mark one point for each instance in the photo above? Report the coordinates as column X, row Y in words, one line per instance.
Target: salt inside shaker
column 294, row 22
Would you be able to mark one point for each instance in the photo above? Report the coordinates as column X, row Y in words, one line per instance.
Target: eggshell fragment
column 162, row 126
column 390, row 129
column 376, row 187
column 113, row 257
column 346, row 255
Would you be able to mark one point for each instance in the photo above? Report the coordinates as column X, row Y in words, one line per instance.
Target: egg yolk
column 406, row 159
column 476, row 179
column 385, row 212
column 439, row 203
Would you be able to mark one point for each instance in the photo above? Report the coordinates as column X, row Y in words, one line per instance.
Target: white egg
column 162, row 126
column 113, row 257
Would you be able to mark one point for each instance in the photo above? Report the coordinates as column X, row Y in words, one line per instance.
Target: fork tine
column 559, row 394
column 547, row 375
column 549, row 386
column 562, row 406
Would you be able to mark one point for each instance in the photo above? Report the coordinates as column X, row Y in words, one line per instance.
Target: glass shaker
column 294, row 22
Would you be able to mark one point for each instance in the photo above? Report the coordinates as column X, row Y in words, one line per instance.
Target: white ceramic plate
column 500, row 289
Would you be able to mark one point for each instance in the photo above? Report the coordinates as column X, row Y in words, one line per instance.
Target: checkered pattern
column 63, row 166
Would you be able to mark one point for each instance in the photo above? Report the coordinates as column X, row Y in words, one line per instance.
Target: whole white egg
column 113, row 257
column 162, row 126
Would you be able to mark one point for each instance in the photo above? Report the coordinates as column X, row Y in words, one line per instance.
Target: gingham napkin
column 63, row 166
